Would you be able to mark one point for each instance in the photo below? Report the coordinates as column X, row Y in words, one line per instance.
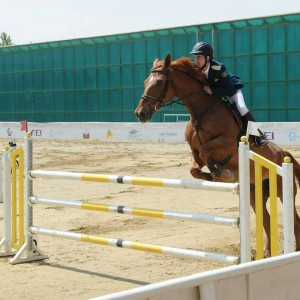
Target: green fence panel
column 277, row 39
column 47, row 81
column 276, row 65
column 2, row 86
column 79, row 57
column 80, row 102
column 114, row 55
column 243, row 68
column 277, row 95
column 242, row 45
column 126, row 53
column 27, row 82
column 225, row 48
column 165, row 46
column 79, row 79
column 259, row 40
column 37, row 81
column 68, row 58
column 91, row 101
column 48, row 101
column 91, row 78
column 9, row 82
column 127, row 76
column 293, row 66
column 57, row 58
column 259, row 68
column 102, row 78
column 69, row 79
column 1, row 64
column 139, row 52
column 152, row 50
column 37, row 60
column 102, row 54
column 293, row 37
column 58, row 82
column 8, row 66
column 180, row 47
column 90, row 57
column 17, row 62
column 47, row 59
column 259, row 96
column 27, row 62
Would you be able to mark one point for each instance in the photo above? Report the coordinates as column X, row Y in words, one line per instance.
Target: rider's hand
column 207, row 89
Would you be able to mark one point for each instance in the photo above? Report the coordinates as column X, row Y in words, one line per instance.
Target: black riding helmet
column 204, row 49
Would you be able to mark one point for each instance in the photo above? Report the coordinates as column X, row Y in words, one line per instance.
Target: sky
column 36, row 21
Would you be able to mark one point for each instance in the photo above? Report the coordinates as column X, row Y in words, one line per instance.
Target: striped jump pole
column 145, row 181
column 30, row 251
column 193, row 254
column 138, row 211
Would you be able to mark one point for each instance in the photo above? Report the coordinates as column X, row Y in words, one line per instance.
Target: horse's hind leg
column 196, row 165
column 296, row 216
column 266, row 215
column 297, row 229
column 296, row 220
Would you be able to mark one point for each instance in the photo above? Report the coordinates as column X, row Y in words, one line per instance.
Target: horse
column 212, row 132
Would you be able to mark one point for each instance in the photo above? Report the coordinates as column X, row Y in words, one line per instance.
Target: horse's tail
column 296, row 165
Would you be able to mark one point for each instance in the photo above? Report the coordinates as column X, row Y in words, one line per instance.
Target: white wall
column 268, row 279
column 280, row 133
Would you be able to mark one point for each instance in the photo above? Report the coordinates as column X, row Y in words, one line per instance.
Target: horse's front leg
column 213, row 153
column 196, row 165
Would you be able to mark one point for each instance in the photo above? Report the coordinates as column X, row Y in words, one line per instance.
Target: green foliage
column 5, row 39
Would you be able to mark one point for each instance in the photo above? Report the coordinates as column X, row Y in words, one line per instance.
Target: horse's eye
column 159, row 82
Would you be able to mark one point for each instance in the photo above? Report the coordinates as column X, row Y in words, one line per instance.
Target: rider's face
column 199, row 60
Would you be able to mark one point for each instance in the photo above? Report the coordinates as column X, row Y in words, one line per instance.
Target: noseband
column 161, row 98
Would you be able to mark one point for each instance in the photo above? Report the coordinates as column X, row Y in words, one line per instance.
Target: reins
column 161, row 98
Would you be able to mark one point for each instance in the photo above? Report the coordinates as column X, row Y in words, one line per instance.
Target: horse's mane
column 186, row 65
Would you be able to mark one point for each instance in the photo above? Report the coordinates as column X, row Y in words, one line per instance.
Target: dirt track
column 81, row 271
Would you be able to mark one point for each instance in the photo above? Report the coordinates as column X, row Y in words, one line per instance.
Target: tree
column 5, row 39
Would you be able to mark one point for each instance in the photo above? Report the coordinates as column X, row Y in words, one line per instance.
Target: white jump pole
column 288, row 206
column 6, row 241
column 244, row 186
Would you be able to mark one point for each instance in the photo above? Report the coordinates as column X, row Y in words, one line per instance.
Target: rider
column 223, row 84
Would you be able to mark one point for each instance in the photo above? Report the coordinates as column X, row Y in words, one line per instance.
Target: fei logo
column 36, row 132
column 269, row 135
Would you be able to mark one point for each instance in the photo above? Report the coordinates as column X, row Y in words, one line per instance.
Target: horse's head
column 158, row 90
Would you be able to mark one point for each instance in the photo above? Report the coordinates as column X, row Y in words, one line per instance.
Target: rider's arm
column 223, row 84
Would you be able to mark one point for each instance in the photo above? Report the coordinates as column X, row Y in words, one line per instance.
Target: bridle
column 161, row 98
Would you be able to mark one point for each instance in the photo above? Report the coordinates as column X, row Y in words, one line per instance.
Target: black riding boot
column 261, row 140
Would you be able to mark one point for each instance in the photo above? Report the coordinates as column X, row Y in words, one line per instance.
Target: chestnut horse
column 212, row 132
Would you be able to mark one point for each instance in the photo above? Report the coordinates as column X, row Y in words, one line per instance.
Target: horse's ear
column 155, row 61
column 168, row 60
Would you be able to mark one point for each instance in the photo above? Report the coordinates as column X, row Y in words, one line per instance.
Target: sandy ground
column 77, row 270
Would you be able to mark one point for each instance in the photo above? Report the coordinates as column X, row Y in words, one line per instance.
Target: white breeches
column 238, row 99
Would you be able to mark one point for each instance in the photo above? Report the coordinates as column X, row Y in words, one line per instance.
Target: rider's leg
column 238, row 99
column 246, row 115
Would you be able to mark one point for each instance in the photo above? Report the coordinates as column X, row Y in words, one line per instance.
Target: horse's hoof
column 214, row 167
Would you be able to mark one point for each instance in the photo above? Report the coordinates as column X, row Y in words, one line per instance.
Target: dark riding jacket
column 221, row 82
